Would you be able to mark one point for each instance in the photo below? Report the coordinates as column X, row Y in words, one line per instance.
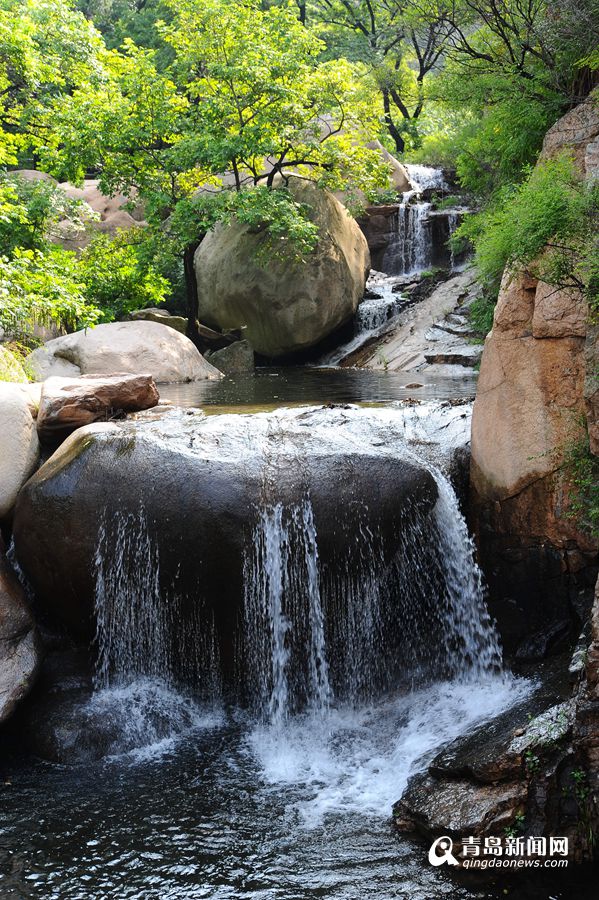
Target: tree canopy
column 199, row 110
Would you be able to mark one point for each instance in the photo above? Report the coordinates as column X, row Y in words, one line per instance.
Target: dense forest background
column 184, row 106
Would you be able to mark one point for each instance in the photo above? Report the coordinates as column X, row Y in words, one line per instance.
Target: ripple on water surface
column 237, row 810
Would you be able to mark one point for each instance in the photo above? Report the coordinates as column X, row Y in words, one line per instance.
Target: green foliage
column 582, row 469
column 246, row 85
column 552, row 207
column 517, row 827
column 30, row 210
column 496, row 148
column 481, row 315
column 115, row 278
column 39, row 288
column 12, row 362
column 532, row 762
column 46, row 50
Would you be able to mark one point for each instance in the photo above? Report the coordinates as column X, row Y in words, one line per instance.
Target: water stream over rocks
column 352, row 670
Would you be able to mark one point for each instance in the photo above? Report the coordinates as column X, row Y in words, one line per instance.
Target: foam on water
column 425, row 177
column 146, row 718
column 359, row 760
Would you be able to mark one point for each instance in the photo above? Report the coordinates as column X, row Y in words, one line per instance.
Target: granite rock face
column 537, row 396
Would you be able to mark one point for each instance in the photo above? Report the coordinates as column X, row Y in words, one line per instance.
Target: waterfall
column 425, row 178
column 283, row 611
column 319, row 622
column 137, row 620
column 452, row 223
column 314, row 637
column 370, row 319
column 410, row 249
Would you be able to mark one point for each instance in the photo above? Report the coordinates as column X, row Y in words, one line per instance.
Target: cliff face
column 537, row 394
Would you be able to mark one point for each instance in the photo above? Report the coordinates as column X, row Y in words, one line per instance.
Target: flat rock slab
column 491, row 753
column 69, row 403
column 458, row 807
column 463, row 355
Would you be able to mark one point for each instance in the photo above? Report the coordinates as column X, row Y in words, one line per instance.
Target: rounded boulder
column 286, row 306
column 125, row 348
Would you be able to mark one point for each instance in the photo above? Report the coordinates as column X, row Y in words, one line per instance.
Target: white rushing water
column 282, row 586
column 371, row 319
column 290, row 649
column 410, row 249
column 358, row 760
column 356, row 674
column 425, row 178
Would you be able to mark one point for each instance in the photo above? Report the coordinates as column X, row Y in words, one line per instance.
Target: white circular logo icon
column 440, row 852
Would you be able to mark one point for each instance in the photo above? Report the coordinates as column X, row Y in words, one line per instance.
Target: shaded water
column 299, row 386
column 204, row 800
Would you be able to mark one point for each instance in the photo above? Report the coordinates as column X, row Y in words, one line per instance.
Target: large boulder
column 70, row 403
column 19, row 444
column 163, row 509
column 235, row 359
column 286, row 306
column 19, row 646
column 537, row 399
column 124, row 347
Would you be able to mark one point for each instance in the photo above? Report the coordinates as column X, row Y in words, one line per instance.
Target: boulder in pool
column 175, row 501
column 286, row 306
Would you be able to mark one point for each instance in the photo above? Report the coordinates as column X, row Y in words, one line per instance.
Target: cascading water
column 410, row 249
column 283, row 611
column 313, row 631
column 350, row 635
column 372, row 316
column 361, row 663
column 136, row 619
column 424, row 178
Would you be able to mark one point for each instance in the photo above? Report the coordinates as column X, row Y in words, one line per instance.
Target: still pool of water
column 301, row 385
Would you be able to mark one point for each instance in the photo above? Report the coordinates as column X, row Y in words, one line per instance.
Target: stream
column 357, row 667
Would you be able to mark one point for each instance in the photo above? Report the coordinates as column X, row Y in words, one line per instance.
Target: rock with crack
column 69, row 403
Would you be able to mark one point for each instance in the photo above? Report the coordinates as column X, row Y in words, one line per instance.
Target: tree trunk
column 191, row 294
column 400, row 144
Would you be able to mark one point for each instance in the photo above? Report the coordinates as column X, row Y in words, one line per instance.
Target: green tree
column 400, row 43
column 245, row 100
column 47, row 49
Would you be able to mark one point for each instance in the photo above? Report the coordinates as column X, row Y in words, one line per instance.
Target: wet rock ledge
column 533, row 771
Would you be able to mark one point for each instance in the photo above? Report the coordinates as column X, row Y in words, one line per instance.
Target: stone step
column 464, row 355
column 451, row 328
